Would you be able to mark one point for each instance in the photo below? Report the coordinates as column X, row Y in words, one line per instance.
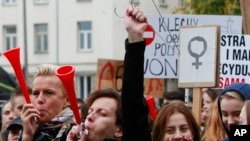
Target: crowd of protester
column 109, row 115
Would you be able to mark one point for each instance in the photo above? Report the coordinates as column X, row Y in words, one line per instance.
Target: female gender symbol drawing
column 194, row 54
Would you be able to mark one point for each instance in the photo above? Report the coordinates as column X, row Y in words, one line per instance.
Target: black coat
column 134, row 107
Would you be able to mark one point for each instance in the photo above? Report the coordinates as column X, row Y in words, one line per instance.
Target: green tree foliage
column 211, row 7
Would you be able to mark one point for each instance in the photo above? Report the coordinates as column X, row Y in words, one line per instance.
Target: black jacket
column 134, row 107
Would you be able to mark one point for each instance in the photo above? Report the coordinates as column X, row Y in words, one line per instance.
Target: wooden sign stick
column 245, row 9
column 197, row 104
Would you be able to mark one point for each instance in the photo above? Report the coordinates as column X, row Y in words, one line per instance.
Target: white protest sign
column 199, row 47
column 235, row 59
column 161, row 56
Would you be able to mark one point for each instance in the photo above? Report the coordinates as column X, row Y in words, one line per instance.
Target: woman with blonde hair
column 230, row 103
column 214, row 130
column 48, row 116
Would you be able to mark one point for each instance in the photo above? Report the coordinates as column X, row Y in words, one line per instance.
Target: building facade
column 69, row 32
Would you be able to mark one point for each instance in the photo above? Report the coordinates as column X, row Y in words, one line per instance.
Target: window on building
column 10, row 37
column 85, row 36
column 41, row 38
column 181, row 3
column 84, row 86
column 9, row 2
column 163, row 3
column 41, row 1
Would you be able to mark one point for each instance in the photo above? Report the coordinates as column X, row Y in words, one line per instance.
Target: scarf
column 59, row 125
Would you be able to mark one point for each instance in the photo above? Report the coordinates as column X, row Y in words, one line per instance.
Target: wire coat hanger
column 131, row 3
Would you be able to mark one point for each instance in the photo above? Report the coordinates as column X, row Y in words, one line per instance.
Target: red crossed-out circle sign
column 149, row 34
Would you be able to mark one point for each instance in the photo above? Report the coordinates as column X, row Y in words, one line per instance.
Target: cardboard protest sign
column 245, row 10
column 110, row 73
column 199, row 61
column 199, row 56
